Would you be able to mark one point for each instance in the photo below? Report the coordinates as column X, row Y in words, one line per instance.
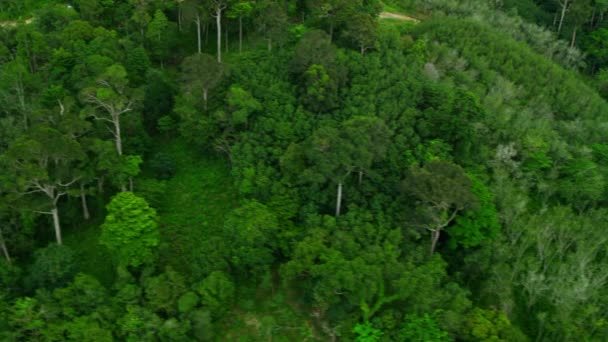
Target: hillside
column 302, row 171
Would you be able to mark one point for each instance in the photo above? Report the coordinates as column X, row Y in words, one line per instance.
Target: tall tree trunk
column 339, row 199
column 100, row 182
column 131, row 184
column 240, row 34
column 434, row 238
column 218, row 22
column 360, row 177
column 179, row 18
column 118, row 136
column 4, row 249
column 226, row 37
column 205, row 96
column 206, row 34
column 563, row 14
column 198, row 31
column 555, row 18
column 573, row 37
column 56, row 224
column 83, row 200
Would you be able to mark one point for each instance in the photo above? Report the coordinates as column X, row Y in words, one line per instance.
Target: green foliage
column 479, row 224
column 251, row 230
column 241, row 104
column 130, row 230
column 367, row 333
column 217, row 293
column 422, row 328
column 325, row 106
column 54, row 266
column 187, row 302
column 163, row 291
column 489, row 325
column 163, row 166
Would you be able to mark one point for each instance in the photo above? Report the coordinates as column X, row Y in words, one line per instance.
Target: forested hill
column 303, row 170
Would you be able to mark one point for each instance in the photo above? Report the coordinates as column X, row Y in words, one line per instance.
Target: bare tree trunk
column 206, row 34
column 573, row 37
column 198, row 31
column 218, row 22
column 179, row 18
column 56, row 224
column 131, row 184
column 339, row 199
column 4, row 249
column 100, row 182
column 555, row 18
column 118, row 136
column 83, row 199
column 563, row 14
column 434, row 238
column 226, row 37
column 205, row 95
column 360, row 177
column 240, row 34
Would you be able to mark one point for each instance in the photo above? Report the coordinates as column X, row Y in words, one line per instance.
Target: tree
column 580, row 11
column 159, row 35
column 163, row 291
column 140, row 16
column 333, row 154
column 423, row 328
column 130, row 230
column 217, row 292
column 54, row 266
column 596, row 45
column 564, row 6
column 112, row 97
column 195, row 12
column 251, row 231
column 14, row 82
column 477, row 224
column 366, row 332
column 357, row 263
column 217, row 8
column 320, row 90
column 272, row 21
column 200, row 73
column 444, row 190
column 44, row 162
column 240, row 9
column 158, row 98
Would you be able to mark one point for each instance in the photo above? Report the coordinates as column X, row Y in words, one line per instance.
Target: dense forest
column 303, row 170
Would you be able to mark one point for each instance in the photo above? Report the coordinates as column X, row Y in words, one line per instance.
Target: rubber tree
column 443, row 191
column 271, row 21
column 111, row 99
column 332, row 154
column 43, row 163
column 217, row 9
column 201, row 73
column 194, row 11
column 240, row 9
